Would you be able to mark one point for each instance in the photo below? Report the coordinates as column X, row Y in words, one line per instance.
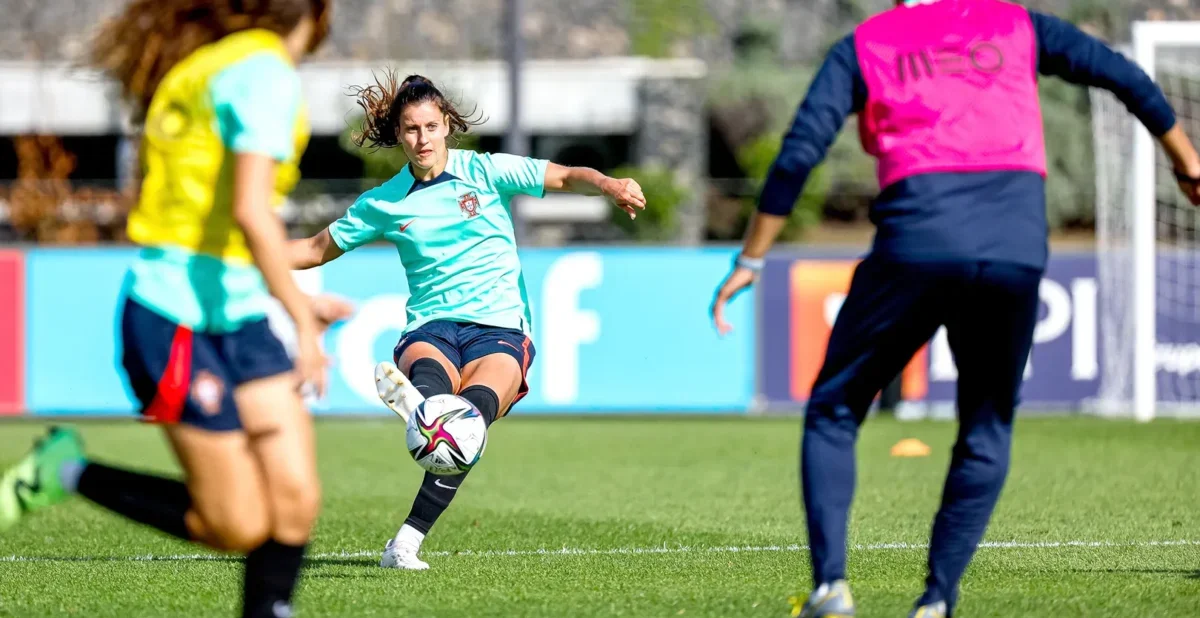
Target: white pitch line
column 617, row 551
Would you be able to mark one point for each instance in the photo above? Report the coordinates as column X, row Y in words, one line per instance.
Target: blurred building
column 680, row 85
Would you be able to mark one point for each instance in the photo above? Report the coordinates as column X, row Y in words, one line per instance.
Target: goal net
column 1148, row 245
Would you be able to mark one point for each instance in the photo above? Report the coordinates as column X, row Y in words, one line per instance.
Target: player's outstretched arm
column 760, row 235
column 1068, row 53
column 1071, row 54
column 624, row 192
column 306, row 253
column 363, row 223
column 836, row 92
column 254, row 176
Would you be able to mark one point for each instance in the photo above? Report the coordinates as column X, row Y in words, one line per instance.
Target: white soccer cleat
column 401, row 556
column 396, row 392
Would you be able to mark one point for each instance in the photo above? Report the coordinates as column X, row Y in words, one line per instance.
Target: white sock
column 410, row 536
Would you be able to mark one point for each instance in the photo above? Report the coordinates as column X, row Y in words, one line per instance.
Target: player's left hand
column 737, row 282
column 330, row 310
column 626, row 193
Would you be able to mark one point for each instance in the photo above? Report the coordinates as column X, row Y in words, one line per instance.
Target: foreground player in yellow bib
column 215, row 85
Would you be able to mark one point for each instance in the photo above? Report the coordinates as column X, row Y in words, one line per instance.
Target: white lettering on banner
column 1085, row 356
column 833, row 306
column 1058, row 312
column 1057, row 320
column 1075, row 311
column 941, row 361
column 565, row 325
column 357, row 337
column 1178, row 358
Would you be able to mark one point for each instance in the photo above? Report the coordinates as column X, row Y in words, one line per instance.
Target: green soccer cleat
column 830, row 600
column 34, row 483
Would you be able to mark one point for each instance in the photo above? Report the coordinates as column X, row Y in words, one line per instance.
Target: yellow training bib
column 187, row 187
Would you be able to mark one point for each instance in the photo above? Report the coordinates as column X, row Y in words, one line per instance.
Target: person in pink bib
column 947, row 102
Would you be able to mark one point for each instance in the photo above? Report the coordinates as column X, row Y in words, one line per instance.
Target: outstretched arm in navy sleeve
column 1069, row 53
column 836, row 92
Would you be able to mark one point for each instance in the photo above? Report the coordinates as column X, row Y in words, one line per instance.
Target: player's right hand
column 737, row 281
column 310, row 361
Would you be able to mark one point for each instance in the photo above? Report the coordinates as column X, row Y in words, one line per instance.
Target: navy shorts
column 463, row 342
column 181, row 376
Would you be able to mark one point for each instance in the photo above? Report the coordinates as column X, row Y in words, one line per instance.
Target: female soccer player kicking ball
column 947, row 97
column 216, row 85
column 447, row 213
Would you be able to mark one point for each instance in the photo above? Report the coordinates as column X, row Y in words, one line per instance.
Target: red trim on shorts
column 175, row 382
column 524, row 389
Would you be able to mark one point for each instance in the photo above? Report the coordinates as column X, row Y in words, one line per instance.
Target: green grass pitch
column 655, row 517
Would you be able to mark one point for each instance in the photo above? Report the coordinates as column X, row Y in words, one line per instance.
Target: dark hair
column 139, row 46
column 384, row 102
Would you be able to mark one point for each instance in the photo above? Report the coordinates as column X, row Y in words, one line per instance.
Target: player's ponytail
column 142, row 43
column 384, row 101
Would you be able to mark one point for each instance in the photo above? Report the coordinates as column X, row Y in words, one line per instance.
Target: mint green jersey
column 455, row 237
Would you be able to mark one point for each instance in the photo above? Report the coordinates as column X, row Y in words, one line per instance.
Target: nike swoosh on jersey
column 405, row 226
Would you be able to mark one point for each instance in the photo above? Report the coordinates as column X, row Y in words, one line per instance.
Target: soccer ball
column 446, row 435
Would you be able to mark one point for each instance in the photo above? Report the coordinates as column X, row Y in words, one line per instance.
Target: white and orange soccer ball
column 446, row 435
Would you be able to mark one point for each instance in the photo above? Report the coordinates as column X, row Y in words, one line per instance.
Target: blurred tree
column 756, row 75
column 754, row 99
column 753, row 103
column 46, row 208
column 656, row 26
column 1103, row 18
column 756, row 158
column 1070, row 157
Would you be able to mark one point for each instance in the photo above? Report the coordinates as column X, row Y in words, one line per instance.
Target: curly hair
column 384, row 102
column 141, row 44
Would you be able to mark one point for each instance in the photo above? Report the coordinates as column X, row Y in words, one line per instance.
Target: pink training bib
column 951, row 87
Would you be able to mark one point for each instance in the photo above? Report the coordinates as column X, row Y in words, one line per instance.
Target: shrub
column 664, row 196
column 756, row 158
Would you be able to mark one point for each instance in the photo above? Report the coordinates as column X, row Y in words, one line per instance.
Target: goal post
column 1148, row 241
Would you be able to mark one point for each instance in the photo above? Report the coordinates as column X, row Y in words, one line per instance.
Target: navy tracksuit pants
column 892, row 309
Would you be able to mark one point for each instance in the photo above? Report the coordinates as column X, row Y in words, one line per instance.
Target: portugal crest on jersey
column 469, row 203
